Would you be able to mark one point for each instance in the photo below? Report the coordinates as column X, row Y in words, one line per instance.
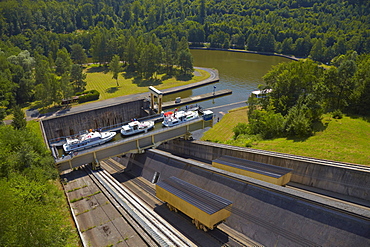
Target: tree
column 170, row 55
column 267, row 42
column 47, row 87
column 150, row 60
column 99, row 46
column 202, row 11
column 186, row 62
column 19, row 121
column 287, row 46
column 115, row 67
column 66, row 88
column 78, row 78
column 2, row 114
column 252, row 42
column 346, row 84
column 78, row 54
column 317, row 51
column 63, row 62
column 130, row 55
column 360, row 99
column 290, row 81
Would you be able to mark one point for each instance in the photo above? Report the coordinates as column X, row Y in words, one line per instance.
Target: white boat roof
column 265, row 91
column 133, row 123
column 126, row 127
column 206, row 112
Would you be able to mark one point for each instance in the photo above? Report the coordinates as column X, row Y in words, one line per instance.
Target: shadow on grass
column 99, row 69
column 317, row 127
column 166, row 77
column 184, row 77
column 140, row 82
column 111, row 90
column 129, row 74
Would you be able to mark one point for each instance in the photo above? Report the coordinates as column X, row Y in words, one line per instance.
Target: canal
column 238, row 71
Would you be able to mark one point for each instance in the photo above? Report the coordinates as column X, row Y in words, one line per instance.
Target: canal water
column 238, row 71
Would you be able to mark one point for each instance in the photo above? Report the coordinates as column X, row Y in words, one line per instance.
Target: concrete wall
column 71, row 124
column 314, row 173
column 268, row 217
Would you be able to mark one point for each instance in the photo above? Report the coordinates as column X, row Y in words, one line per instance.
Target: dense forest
column 33, row 209
column 152, row 37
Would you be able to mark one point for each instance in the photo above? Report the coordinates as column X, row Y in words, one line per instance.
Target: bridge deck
column 134, row 144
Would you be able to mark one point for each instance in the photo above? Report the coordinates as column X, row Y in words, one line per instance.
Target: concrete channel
column 345, row 179
column 269, row 214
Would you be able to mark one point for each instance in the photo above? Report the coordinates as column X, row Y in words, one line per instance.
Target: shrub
column 337, row 114
column 266, row 123
column 297, row 123
column 240, row 129
column 88, row 96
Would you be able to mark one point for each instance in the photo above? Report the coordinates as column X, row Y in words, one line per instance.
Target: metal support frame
column 159, row 95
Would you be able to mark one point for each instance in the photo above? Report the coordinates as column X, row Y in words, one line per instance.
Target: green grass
column 345, row 140
column 102, row 81
column 223, row 130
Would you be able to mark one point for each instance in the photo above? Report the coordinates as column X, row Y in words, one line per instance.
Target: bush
column 240, row 129
column 337, row 114
column 266, row 123
column 297, row 123
column 88, row 96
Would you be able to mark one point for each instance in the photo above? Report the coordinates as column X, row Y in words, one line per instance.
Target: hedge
column 88, row 96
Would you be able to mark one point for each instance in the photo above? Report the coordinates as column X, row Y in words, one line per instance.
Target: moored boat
column 178, row 117
column 135, row 127
column 87, row 140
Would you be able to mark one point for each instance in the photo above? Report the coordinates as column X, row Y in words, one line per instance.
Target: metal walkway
column 134, row 144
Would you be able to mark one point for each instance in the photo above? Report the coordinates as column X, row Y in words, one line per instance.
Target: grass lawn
column 345, row 140
column 100, row 80
column 223, row 130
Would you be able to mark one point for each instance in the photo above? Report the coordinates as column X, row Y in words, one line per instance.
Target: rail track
column 217, row 234
column 157, row 230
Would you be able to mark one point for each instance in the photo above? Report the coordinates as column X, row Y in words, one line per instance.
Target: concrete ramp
column 269, row 214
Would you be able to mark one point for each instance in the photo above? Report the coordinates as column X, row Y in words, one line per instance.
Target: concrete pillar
column 159, row 104
column 152, row 101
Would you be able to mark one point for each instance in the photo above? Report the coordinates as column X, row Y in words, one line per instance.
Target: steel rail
column 150, row 221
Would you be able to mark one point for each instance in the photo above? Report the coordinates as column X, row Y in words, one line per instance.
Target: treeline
column 302, row 91
column 33, row 210
column 322, row 29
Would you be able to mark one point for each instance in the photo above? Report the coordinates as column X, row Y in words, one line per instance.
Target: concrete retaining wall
column 315, row 174
column 266, row 216
column 71, row 124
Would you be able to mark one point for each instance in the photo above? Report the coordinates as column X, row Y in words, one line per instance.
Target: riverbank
column 245, row 51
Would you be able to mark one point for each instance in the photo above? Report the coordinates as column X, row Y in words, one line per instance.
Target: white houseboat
column 135, row 127
column 87, row 140
column 178, row 117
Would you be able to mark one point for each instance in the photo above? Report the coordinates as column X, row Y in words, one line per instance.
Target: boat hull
column 128, row 130
column 67, row 148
